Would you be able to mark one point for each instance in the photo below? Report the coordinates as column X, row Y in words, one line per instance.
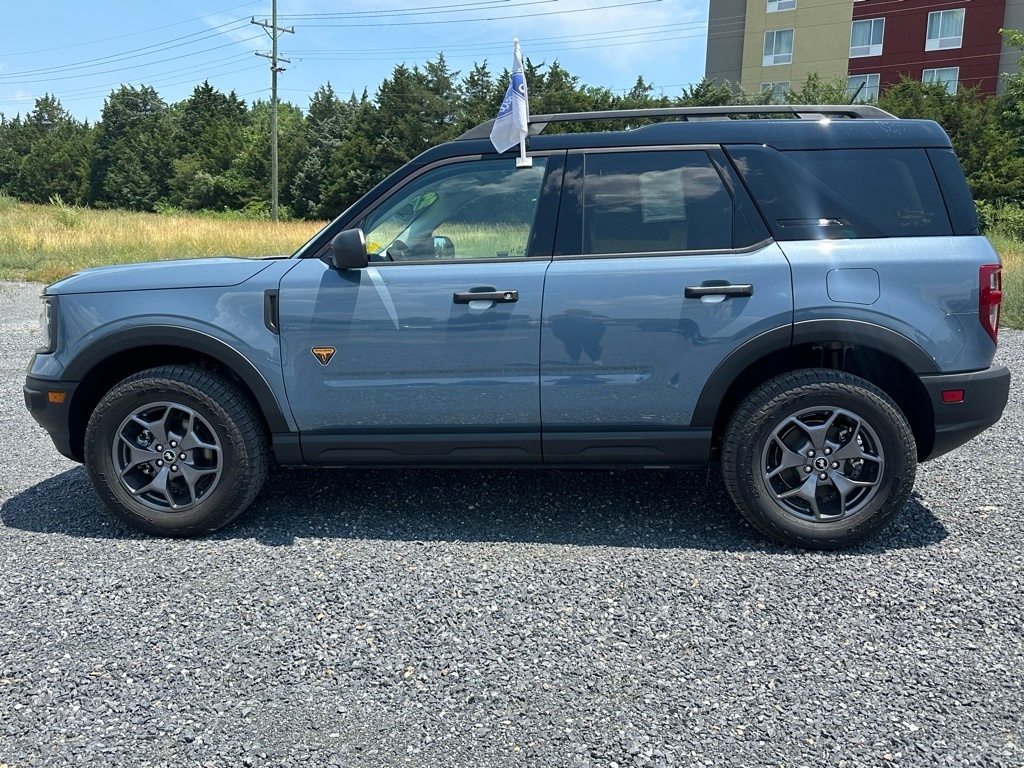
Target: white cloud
column 241, row 34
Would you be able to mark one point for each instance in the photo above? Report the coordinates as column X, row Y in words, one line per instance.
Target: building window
column 946, row 76
column 866, row 38
column 862, row 87
column 778, row 47
column 945, row 30
column 778, row 90
column 781, row 5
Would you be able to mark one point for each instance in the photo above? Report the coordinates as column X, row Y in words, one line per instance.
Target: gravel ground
column 493, row 618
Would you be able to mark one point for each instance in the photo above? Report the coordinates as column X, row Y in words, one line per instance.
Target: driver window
column 482, row 209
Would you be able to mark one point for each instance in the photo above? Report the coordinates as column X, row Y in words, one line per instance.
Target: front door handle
column 464, row 297
column 696, row 291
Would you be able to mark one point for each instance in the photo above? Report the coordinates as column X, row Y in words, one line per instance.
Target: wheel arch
column 112, row 358
column 880, row 355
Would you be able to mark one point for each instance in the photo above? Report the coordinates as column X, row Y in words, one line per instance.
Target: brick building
column 776, row 44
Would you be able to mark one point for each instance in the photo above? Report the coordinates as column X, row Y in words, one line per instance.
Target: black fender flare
column 863, row 333
column 183, row 338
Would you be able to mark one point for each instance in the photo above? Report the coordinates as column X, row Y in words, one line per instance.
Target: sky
column 81, row 51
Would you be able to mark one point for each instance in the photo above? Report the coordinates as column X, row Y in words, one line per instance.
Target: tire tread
column 745, row 422
column 244, row 430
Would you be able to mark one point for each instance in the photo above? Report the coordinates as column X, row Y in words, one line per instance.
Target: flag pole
column 523, row 161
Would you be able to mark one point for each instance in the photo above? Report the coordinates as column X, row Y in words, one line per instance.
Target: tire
column 819, row 459
column 141, row 429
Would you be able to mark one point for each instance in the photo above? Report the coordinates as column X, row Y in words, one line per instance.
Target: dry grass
column 1012, row 254
column 47, row 242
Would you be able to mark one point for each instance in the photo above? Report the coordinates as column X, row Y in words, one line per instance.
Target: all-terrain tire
column 176, row 450
column 819, row 458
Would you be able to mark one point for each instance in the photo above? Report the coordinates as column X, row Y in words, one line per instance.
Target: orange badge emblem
column 323, row 354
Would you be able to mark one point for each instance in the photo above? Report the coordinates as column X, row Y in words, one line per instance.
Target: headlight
column 48, row 325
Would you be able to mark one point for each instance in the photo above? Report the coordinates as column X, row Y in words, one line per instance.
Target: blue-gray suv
column 806, row 301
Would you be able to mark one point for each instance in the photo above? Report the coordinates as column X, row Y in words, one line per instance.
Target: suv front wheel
column 176, row 451
column 819, row 458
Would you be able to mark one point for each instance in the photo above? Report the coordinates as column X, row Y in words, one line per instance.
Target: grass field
column 44, row 243
column 47, row 242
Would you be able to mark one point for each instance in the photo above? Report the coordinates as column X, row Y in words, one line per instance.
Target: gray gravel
column 493, row 618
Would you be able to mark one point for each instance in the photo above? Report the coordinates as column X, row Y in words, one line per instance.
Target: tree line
column 212, row 150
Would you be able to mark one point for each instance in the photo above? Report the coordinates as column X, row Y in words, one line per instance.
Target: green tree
column 359, row 162
column 326, row 123
column 818, row 91
column 989, row 152
column 48, row 155
column 133, row 156
column 209, row 133
column 481, row 97
column 248, row 179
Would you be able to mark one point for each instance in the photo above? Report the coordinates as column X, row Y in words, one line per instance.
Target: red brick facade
column 904, row 41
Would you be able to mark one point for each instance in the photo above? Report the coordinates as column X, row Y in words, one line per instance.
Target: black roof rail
column 805, row 111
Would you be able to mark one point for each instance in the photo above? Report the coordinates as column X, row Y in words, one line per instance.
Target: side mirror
column 347, row 251
column 444, row 248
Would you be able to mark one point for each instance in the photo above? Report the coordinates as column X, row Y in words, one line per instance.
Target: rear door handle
column 696, row 291
column 464, row 297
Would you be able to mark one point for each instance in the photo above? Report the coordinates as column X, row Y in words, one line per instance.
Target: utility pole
column 275, row 32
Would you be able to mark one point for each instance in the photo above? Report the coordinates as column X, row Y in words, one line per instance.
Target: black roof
column 787, row 128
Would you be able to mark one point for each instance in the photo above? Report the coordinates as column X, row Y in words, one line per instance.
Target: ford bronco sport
column 806, row 301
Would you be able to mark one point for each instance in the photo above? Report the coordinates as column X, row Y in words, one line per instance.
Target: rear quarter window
column 847, row 193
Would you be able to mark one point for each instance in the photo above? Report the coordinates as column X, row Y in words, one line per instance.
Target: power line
column 274, row 31
column 131, row 34
column 133, row 54
column 532, row 42
column 403, row 11
column 496, row 18
column 163, row 83
column 476, row 6
column 163, row 77
column 122, row 69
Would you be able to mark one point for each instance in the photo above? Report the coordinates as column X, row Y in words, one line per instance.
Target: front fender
column 128, row 339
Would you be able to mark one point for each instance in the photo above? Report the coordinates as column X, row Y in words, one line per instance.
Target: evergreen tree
column 132, row 160
column 481, row 97
column 50, row 155
column 208, row 136
column 326, row 122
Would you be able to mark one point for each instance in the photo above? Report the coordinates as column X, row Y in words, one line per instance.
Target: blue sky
column 81, row 51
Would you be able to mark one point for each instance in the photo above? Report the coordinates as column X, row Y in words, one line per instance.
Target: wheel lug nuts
column 174, row 444
column 810, row 453
column 827, row 450
column 823, row 476
column 159, row 447
column 835, row 465
column 174, row 467
column 807, row 470
column 159, row 463
column 183, row 457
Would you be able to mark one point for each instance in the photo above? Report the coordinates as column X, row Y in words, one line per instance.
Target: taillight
column 990, row 296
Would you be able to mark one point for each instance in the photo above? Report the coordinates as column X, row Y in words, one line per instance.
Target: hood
column 161, row 275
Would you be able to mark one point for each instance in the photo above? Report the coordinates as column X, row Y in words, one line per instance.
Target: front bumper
column 984, row 397
column 54, row 417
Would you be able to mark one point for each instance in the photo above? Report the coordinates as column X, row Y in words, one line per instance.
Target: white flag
column 513, row 119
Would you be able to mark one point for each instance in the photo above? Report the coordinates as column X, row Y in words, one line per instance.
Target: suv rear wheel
column 176, row 451
column 819, row 458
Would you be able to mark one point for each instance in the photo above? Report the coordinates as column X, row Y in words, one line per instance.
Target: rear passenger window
column 844, row 193
column 654, row 202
